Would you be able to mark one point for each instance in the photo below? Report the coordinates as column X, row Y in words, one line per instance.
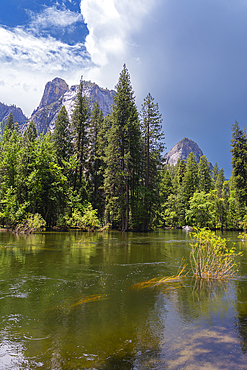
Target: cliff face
column 17, row 114
column 53, row 90
column 182, row 149
column 57, row 93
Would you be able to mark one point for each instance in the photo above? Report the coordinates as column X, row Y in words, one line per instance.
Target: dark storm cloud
column 199, row 75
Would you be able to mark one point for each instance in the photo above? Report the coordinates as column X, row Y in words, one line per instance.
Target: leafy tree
column 201, row 211
column 26, row 162
column 46, row 182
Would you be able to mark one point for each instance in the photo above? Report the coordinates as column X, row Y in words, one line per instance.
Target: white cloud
column 23, row 49
column 111, row 25
column 29, row 58
column 53, row 17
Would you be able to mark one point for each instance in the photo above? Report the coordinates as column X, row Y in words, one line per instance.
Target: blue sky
column 190, row 55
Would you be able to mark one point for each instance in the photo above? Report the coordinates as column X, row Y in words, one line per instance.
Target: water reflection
column 66, row 303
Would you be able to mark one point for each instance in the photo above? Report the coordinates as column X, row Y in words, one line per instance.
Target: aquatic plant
column 164, row 280
column 210, row 257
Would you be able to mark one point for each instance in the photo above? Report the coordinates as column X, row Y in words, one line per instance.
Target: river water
column 71, row 301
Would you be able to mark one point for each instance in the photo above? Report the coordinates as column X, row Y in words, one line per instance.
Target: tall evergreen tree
column 152, row 135
column 79, row 124
column 62, row 137
column 219, row 183
column 215, row 173
column 190, row 179
column 96, row 133
column 122, row 154
column 239, row 165
column 10, row 122
column 204, row 174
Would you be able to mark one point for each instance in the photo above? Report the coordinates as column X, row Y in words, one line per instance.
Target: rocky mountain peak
column 57, row 94
column 17, row 114
column 53, row 91
column 181, row 150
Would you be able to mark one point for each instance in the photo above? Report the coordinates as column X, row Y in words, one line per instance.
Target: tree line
column 194, row 195
column 90, row 172
column 96, row 172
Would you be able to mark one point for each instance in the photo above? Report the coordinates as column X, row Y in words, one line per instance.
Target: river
column 72, row 301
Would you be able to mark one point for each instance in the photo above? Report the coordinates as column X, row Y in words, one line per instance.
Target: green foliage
column 210, row 257
column 86, row 220
column 10, row 123
column 122, row 156
column 32, row 223
column 239, row 166
column 204, row 175
column 114, row 164
column 62, row 137
column 79, row 124
column 201, row 210
column 152, row 141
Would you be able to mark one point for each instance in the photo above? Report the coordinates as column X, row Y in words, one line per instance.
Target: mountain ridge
column 18, row 115
column 57, row 93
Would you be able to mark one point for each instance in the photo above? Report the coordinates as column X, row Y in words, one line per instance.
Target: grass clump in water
column 210, row 257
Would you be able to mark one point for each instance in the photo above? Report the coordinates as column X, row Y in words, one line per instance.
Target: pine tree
column 152, row 137
column 10, row 122
column 190, row 179
column 215, row 173
column 79, row 124
column 96, row 133
column 204, row 175
column 62, row 137
column 239, row 165
column 122, row 154
column 219, row 183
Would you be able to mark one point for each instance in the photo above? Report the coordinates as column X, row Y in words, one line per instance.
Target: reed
column 210, row 258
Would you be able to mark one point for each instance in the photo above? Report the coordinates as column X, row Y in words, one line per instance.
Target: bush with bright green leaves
column 32, row 223
column 210, row 256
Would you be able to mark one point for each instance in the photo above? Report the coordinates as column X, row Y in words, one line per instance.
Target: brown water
column 67, row 302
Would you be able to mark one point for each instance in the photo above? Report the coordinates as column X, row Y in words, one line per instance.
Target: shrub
column 32, row 223
column 210, row 257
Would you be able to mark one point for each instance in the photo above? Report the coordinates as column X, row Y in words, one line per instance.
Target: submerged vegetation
column 210, row 259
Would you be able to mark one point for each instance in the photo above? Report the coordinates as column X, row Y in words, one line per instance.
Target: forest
column 97, row 173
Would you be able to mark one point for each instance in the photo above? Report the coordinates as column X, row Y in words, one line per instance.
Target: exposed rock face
column 53, row 90
column 57, row 93
column 182, row 149
column 17, row 113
